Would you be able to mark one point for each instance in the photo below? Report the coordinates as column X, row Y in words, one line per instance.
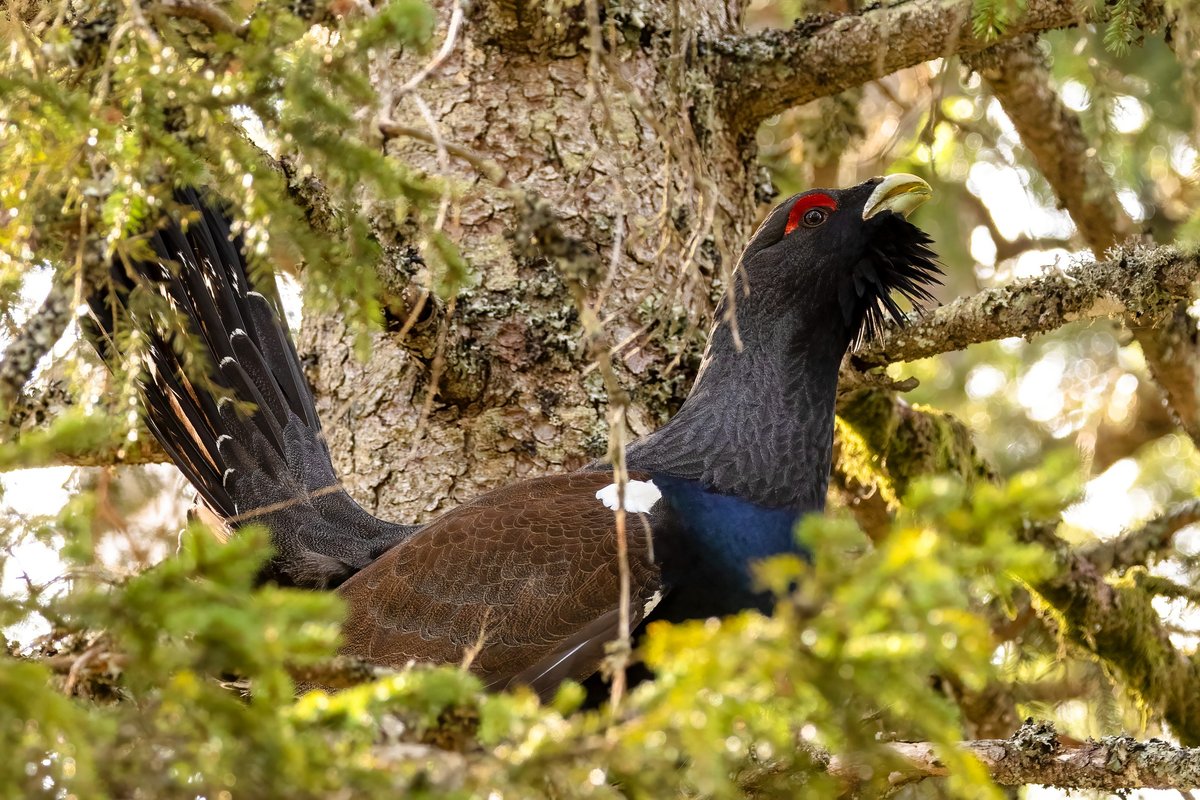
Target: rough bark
column 23, row 353
column 1114, row 620
column 635, row 169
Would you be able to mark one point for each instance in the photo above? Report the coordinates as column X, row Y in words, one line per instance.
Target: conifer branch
column 1117, row 623
column 1035, row 754
column 765, row 73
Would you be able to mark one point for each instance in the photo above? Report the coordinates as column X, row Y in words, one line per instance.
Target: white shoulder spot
column 640, row 496
column 650, row 604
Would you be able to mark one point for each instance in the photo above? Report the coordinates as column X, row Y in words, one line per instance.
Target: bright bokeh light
column 983, row 249
column 984, row 381
column 1039, row 389
column 1003, row 188
column 1075, row 95
column 1111, row 502
column 1128, row 114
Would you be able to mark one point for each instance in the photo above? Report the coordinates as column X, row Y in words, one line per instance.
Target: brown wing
column 527, row 575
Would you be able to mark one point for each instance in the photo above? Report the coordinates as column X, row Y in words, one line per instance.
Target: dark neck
column 758, row 422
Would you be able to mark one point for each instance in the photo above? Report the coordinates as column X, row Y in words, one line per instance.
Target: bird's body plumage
column 526, row 574
column 523, row 582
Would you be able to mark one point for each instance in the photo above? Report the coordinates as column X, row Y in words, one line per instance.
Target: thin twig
column 486, row 166
column 443, row 53
column 443, row 157
column 435, row 375
column 1133, row 281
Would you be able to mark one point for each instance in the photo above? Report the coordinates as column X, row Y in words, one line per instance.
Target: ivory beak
column 901, row 193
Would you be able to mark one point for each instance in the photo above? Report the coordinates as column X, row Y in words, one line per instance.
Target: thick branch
column 33, row 414
column 117, row 453
column 341, row 672
column 883, row 444
column 1020, row 80
column 1035, row 755
column 1139, row 282
column 1172, row 351
column 768, row 72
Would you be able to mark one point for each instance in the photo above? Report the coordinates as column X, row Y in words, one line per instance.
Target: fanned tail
column 230, row 403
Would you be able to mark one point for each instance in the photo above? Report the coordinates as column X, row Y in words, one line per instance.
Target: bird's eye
column 815, row 216
column 810, row 211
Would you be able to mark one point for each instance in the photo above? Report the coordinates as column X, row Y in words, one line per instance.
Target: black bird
column 525, row 577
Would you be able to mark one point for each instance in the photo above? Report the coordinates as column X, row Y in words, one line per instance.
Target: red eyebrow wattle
column 816, row 200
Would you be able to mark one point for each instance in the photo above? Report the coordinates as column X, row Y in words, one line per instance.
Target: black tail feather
column 229, row 402
column 278, row 352
column 245, row 387
column 256, row 368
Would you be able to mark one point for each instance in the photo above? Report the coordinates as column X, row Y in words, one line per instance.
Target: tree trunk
column 634, row 160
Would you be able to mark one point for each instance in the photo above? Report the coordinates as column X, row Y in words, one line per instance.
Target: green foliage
column 77, row 432
column 104, row 109
column 97, row 132
column 991, row 18
column 206, row 701
column 1124, row 17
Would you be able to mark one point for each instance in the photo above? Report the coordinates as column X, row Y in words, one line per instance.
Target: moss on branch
column 1117, row 622
column 884, row 443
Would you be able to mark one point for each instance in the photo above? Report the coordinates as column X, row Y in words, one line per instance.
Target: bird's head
column 837, row 257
